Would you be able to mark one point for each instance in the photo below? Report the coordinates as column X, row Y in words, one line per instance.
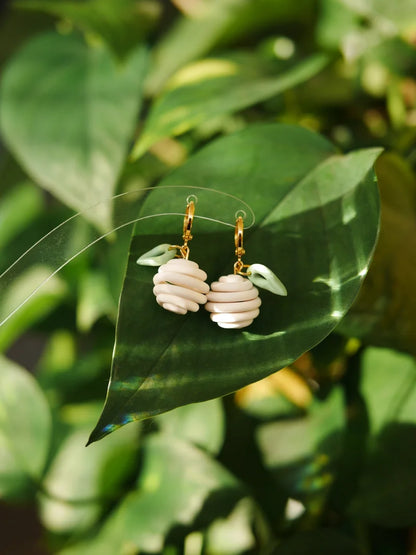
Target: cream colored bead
column 233, row 302
column 180, row 286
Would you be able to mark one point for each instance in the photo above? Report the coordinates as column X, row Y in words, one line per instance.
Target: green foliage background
column 288, row 106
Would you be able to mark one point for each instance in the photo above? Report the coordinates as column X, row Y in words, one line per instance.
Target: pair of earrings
column 180, row 285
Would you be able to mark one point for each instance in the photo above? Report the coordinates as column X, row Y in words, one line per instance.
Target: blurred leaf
column 233, row 535
column 80, row 482
column 388, row 399
column 325, row 541
column 36, row 308
column 58, row 355
column 301, row 452
column 18, row 208
column 121, row 23
column 95, row 300
column 401, row 15
column 350, row 26
column 282, row 394
column 396, row 55
column 68, row 374
column 217, row 86
column 25, row 428
column 318, row 214
column 175, row 483
column 385, row 311
column 16, row 27
column 386, row 493
column 218, row 22
column 68, row 113
column 336, row 20
column 202, row 424
column 65, row 249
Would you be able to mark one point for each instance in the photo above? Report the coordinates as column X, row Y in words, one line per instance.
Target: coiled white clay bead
column 180, row 286
column 233, row 302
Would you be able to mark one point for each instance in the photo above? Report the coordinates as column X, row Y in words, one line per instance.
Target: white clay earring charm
column 179, row 283
column 233, row 300
column 180, row 286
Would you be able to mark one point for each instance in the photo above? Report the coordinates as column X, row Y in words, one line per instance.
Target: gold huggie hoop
column 239, row 249
column 187, row 227
column 187, row 222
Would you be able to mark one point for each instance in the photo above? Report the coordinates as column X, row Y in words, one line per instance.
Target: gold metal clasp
column 239, row 248
column 187, row 222
column 187, row 227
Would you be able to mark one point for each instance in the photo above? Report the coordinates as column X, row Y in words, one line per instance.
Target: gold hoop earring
column 180, row 283
column 233, row 301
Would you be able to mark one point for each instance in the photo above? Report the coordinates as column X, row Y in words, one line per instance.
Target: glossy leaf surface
column 68, row 112
column 317, row 214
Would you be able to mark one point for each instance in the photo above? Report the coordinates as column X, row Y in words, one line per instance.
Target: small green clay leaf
column 157, row 256
column 263, row 277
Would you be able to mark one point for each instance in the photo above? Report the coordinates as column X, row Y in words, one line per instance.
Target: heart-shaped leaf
column 317, row 214
column 68, row 112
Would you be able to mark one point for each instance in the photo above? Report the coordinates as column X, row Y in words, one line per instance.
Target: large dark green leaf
column 25, row 429
column 67, row 113
column 317, row 214
column 213, row 87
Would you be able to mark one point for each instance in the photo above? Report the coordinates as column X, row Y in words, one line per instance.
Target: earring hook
column 238, row 237
column 187, row 222
column 187, row 236
column 239, row 249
